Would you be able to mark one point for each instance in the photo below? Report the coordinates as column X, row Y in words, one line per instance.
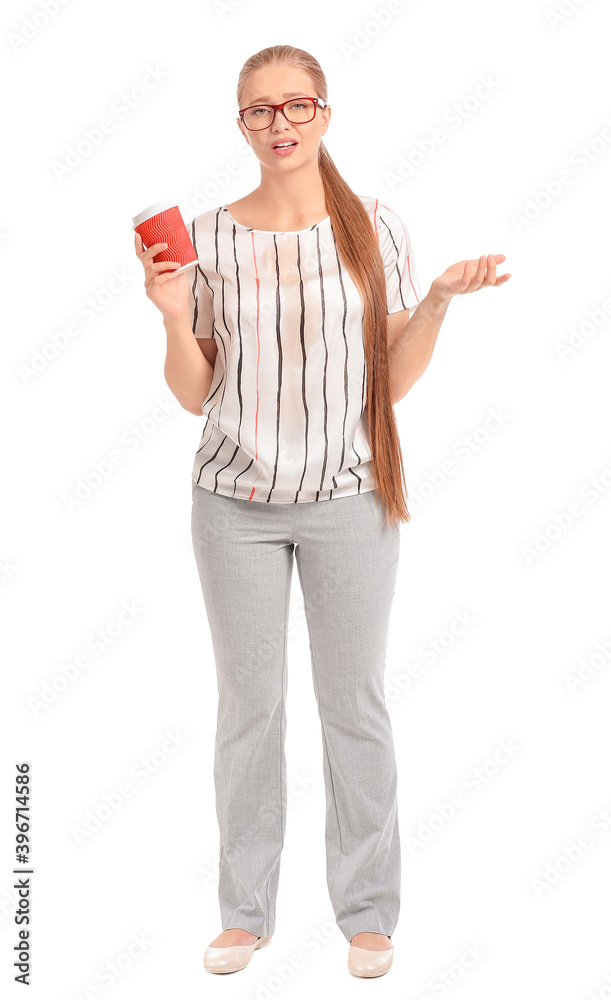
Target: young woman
column 295, row 337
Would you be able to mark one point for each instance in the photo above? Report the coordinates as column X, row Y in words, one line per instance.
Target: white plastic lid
column 159, row 206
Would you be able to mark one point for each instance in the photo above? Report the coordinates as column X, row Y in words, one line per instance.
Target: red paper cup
column 163, row 223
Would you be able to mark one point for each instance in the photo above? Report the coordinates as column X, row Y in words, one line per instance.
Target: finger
column 467, row 277
column 491, row 270
column 480, row 274
column 147, row 257
column 151, row 251
column 154, row 248
column 162, row 265
column 160, row 279
column 467, row 274
column 476, row 272
column 139, row 242
column 153, row 275
column 473, row 272
column 169, row 276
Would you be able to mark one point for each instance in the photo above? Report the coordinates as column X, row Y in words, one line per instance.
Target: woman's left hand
column 469, row 276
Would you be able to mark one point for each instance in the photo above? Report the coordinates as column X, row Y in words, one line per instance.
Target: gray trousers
column 347, row 558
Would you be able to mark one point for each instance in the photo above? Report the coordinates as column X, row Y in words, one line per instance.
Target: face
column 268, row 86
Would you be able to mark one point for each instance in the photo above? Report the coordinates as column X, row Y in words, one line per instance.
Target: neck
column 298, row 193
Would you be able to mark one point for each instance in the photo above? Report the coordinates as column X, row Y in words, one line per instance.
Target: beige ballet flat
column 367, row 963
column 232, row 959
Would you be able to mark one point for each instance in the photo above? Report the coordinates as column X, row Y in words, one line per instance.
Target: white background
column 500, row 876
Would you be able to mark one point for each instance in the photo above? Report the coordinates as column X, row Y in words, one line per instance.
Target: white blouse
column 286, row 411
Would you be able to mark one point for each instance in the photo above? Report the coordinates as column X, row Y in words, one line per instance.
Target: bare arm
column 411, row 343
column 187, row 370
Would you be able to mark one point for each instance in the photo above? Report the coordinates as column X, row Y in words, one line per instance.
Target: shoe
column 234, row 958
column 367, row 963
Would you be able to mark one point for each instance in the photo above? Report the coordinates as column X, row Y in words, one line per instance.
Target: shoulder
column 386, row 221
column 203, row 231
column 206, row 221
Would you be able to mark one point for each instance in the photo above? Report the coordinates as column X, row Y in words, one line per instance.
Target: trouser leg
column 244, row 558
column 347, row 560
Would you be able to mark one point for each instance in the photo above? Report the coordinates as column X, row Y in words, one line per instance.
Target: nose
column 284, row 122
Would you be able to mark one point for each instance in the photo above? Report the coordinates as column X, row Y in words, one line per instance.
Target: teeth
column 283, row 145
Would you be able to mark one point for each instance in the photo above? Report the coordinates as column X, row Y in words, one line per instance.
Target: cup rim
column 148, row 213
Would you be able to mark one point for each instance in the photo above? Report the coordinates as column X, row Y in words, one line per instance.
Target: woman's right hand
column 169, row 292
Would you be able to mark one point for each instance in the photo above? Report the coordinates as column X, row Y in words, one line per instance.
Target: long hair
column 357, row 245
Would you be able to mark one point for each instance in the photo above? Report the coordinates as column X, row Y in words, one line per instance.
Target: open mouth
column 283, row 145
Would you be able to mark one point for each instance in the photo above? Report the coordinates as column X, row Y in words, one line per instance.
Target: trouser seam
column 324, row 740
column 282, row 697
column 324, row 734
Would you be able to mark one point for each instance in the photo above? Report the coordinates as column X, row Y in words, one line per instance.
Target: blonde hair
column 358, row 247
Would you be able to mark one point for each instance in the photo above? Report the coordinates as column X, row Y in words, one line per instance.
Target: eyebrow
column 266, row 99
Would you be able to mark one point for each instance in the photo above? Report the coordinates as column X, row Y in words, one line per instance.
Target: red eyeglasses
column 301, row 110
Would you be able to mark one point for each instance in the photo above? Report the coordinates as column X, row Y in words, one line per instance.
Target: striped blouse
column 286, row 418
